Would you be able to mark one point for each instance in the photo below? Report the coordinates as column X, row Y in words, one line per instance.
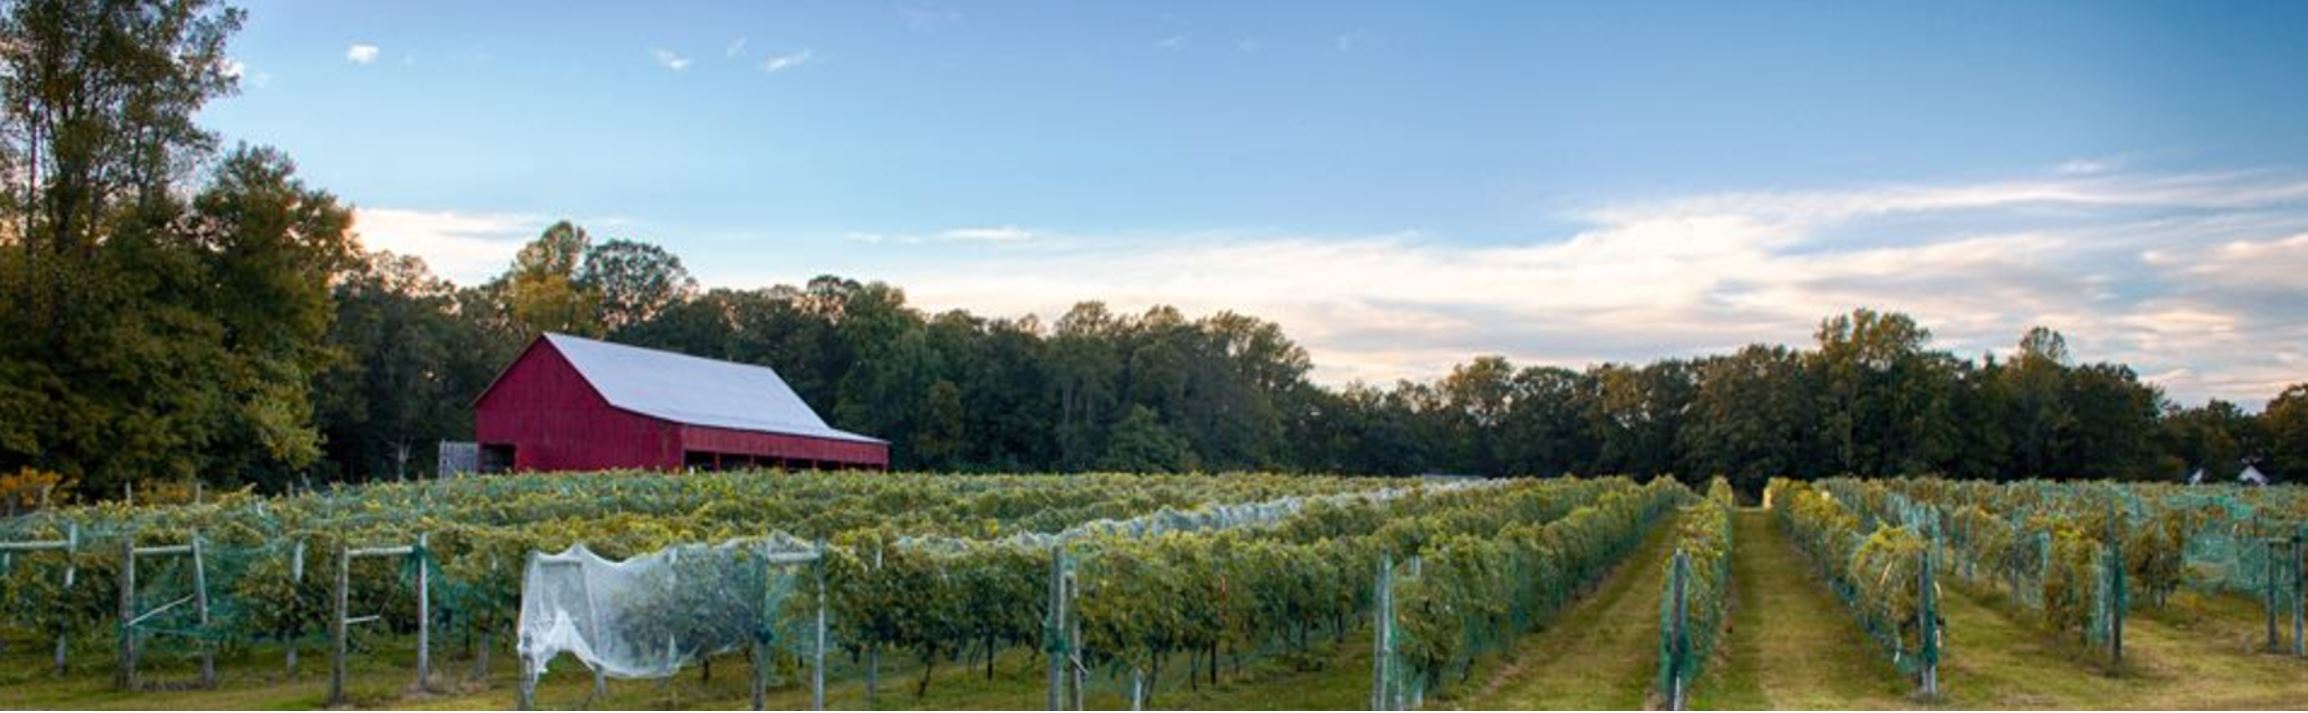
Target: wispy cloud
column 2089, row 166
column 1004, row 234
column 923, row 18
column 735, row 49
column 668, row 59
column 1345, row 42
column 1249, row 44
column 465, row 247
column 781, row 62
column 1001, row 234
column 1172, row 42
column 2190, row 278
column 362, row 53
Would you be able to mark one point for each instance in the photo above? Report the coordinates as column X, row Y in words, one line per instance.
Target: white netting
column 648, row 616
column 1216, row 516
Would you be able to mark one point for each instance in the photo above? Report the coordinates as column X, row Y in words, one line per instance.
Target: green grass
column 1600, row 654
column 1791, row 644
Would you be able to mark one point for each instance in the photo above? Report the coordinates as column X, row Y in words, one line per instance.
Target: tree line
column 172, row 309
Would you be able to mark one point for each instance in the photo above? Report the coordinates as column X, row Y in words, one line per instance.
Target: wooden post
column 2268, row 575
column 1057, row 623
column 1927, row 594
column 1137, row 689
column 71, row 572
column 1074, row 668
column 1678, row 648
column 337, row 626
column 424, row 615
column 526, row 699
column 296, row 586
column 2299, row 595
column 817, row 648
column 200, row 611
column 124, row 674
column 760, row 683
column 874, row 650
column 1382, row 610
column 2116, row 602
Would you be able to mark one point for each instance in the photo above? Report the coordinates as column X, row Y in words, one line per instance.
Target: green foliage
column 1140, row 443
column 1703, row 537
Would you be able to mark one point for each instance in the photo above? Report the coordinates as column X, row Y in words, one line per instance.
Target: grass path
column 1600, row 654
column 1791, row 644
column 2191, row 655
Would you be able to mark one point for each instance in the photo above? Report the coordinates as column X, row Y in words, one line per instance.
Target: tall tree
column 2286, row 423
column 633, row 281
column 542, row 292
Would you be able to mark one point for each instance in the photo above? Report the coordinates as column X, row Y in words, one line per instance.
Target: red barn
column 569, row 403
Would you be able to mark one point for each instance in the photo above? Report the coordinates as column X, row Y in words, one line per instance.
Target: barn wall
column 556, row 421
column 723, row 440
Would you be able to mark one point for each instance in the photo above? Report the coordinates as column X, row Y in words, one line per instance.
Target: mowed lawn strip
column 2197, row 653
column 1602, row 653
column 1791, row 645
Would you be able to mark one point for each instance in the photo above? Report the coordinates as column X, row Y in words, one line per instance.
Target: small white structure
column 2197, row 477
column 2251, row 476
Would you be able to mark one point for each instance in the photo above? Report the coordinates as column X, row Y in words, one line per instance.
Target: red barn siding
column 723, row 440
column 556, row 421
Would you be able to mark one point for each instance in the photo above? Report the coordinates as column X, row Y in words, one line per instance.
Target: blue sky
column 1401, row 185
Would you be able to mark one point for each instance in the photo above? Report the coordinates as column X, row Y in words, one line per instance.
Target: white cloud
column 923, row 18
column 2204, row 294
column 1004, row 234
column 736, row 48
column 464, row 247
column 1001, row 234
column 2089, row 166
column 669, row 60
column 362, row 53
column 781, row 62
column 1172, row 42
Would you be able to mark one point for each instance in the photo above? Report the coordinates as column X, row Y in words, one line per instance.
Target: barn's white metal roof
column 695, row 390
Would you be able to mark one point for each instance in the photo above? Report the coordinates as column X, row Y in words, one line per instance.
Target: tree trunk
column 929, row 665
